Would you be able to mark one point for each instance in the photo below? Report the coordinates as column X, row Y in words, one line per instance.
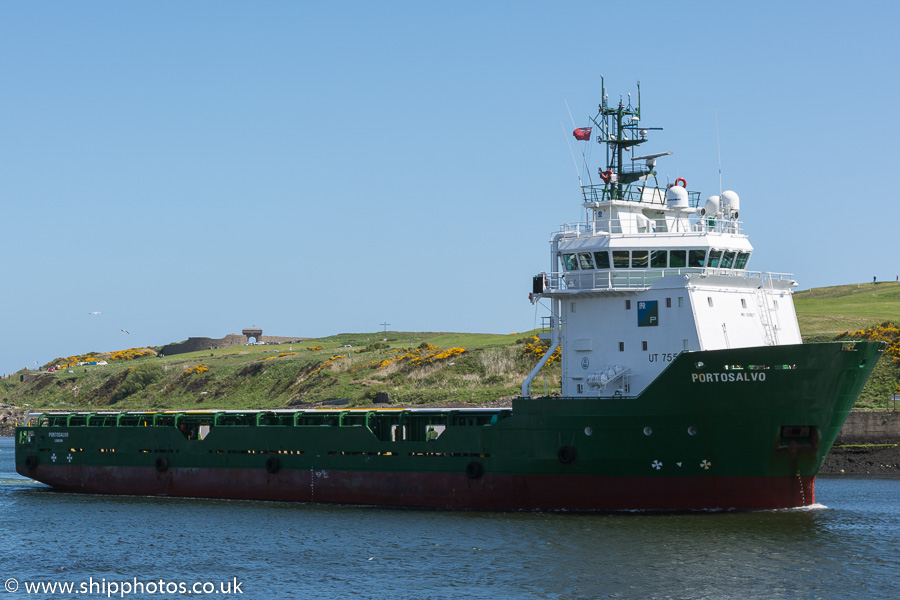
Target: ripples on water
column 851, row 548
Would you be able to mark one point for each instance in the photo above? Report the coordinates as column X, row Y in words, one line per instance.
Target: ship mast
column 620, row 131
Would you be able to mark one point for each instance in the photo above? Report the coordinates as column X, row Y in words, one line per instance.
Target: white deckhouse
column 651, row 274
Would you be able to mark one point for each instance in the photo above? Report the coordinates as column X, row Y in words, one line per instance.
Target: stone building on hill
column 195, row 344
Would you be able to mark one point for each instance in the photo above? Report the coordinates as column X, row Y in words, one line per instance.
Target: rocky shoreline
column 8, row 419
column 862, row 460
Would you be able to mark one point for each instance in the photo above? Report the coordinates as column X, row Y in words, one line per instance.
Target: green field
column 491, row 367
column 829, row 311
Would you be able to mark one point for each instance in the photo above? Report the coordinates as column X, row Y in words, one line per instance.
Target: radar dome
column 676, row 197
column 712, row 205
column 731, row 203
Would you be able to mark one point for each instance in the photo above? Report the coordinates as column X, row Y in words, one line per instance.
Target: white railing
column 651, row 227
column 612, row 279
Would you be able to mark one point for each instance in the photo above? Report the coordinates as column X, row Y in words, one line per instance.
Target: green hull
column 742, row 428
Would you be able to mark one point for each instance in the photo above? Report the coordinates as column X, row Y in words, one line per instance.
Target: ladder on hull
column 770, row 330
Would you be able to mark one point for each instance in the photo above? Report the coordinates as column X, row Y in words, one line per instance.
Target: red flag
column 582, row 134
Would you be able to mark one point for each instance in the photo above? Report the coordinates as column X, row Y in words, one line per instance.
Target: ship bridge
column 648, row 235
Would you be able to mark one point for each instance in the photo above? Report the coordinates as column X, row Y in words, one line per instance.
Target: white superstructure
column 649, row 275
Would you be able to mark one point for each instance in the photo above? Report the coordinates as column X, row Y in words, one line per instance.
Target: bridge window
column 570, row 262
column 620, row 259
column 728, row 260
column 696, row 258
column 677, row 258
column 639, row 259
column 714, row 257
column 741, row 261
column 585, row 261
column 659, row 259
column 602, row 259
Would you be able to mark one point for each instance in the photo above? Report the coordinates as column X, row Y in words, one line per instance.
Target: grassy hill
column 359, row 369
column 829, row 311
column 391, row 367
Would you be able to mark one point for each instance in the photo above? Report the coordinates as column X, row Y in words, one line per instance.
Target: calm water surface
column 846, row 547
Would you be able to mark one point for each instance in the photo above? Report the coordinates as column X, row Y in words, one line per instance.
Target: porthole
column 692, row 430
column 588, row 431
column 648, row 431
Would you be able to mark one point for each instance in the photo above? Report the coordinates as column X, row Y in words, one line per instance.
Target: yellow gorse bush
column 886, row 332
column 130, row 354
column 426, row 354
column 71, row 362
column 327, row 363
column 277, row 356
column 196, row 370
column 536, row 348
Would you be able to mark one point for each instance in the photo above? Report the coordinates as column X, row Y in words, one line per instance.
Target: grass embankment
column 823, row 313
column 407, row 368
column 410, row 368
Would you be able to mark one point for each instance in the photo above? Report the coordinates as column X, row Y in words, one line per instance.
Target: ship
column 685, row 385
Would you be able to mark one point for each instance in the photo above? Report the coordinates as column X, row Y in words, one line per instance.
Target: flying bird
column 123, row 330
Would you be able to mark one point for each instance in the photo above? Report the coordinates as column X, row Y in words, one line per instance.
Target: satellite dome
column 713, row 206
column 730, row 202
column 676, row 197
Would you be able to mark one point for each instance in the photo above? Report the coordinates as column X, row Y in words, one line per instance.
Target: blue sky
column 191, row 169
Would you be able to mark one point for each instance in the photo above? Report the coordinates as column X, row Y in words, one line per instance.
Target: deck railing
column 643, row 278
column 600, row 193
column 697, row 226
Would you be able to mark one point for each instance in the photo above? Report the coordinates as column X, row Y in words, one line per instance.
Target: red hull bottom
column 439, row 490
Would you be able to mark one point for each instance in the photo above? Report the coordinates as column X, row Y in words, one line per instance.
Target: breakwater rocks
column 8, row 419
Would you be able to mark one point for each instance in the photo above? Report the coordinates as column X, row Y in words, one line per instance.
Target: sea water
column 847, row 546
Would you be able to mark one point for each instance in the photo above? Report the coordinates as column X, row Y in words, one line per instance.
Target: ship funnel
column 731, row 204
column 676, row 197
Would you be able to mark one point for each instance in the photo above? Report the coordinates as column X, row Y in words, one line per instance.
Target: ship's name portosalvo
column 727, row 377
column 59, row 434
